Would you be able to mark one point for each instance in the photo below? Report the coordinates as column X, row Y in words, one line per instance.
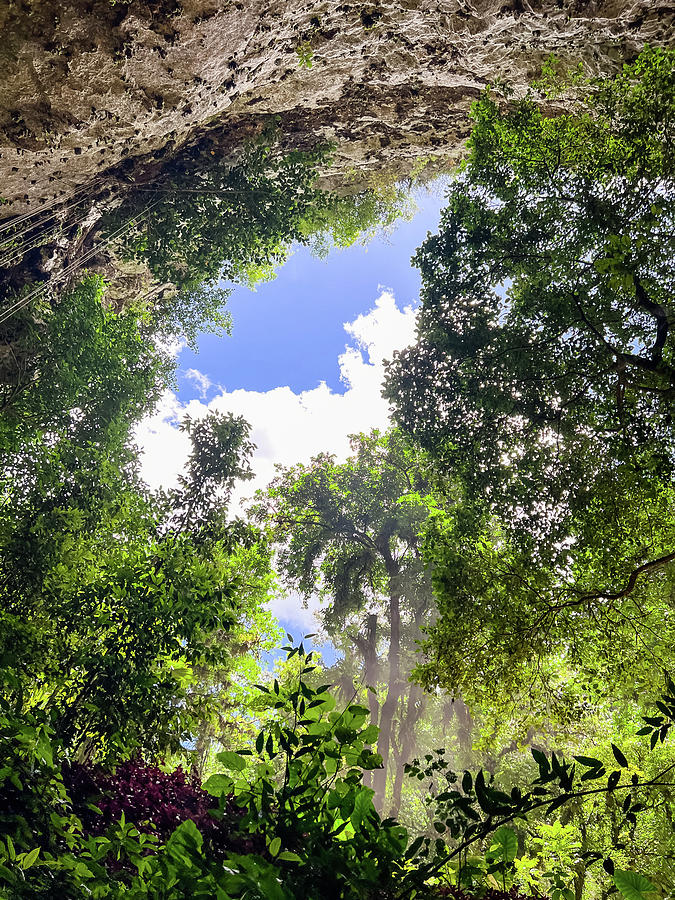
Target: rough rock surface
column 101, row 93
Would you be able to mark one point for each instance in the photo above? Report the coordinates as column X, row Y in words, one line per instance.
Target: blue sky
column 290, row 330
column 304, row 364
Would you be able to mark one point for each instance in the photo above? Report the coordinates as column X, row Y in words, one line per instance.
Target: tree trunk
column 464, row 725
column 417, row 701
column 370, row 667
column 394, row 686
column 368, row 648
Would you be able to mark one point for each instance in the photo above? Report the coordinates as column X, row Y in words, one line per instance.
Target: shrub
column 155, row 801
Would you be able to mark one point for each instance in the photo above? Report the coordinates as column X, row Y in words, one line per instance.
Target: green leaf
column 619, row 757
column 218, row 784
column 505, row 843
column 275, row 846
column 632, row 885
column 369, row 734
column 363, row 806
column 188, row 835
column 7, row 874
column 589, row 761
column 289, row 856
column 414, row 847
column 370, row 760
column 231, row 760
column 541, row 759
column 30, row 858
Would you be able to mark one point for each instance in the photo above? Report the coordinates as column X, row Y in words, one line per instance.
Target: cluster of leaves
column 187, row 313
column 292, row 815
column 47, row 850
column 342, row 526
column 113, row 598
column 543, row 378
column 122, row 610
column 152, row 799
column 209, row 219
column 78, row 348
column 303, row 790
column 305, row 55
column 299, row 812
column 297, row 807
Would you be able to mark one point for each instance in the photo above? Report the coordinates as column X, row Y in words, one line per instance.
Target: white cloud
column 164, row 449
column 295, row 612
column 290, row 427
column 201, row 381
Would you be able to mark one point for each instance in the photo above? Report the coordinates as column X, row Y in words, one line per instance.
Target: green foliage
column 350, row 532
column 70, row 350
column 219, row 457
column 340, row 525
column 115, row 601
column 543, row 379
column 343, row 219
column 305, row 816
column 474, row 810
column 211, row 219
column 555, row 80
column 187, row 313
column 302, row 790
column 631, row 885
column 305, row 811
column 305, row 55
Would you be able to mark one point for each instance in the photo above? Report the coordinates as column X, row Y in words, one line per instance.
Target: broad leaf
column 632, row 885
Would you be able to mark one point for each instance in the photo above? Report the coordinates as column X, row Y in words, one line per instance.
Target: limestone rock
column 98, row 94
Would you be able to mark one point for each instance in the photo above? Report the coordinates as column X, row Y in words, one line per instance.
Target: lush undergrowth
column 288, row 817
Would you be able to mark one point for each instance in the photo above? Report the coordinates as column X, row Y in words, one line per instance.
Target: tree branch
column 659, row 313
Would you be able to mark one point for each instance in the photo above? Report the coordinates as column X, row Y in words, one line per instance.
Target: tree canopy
column 351, row 532
column 113, row 596
column 543, row 376
column 210, row 218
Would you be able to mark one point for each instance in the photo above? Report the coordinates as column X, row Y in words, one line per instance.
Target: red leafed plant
column 154, row 800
